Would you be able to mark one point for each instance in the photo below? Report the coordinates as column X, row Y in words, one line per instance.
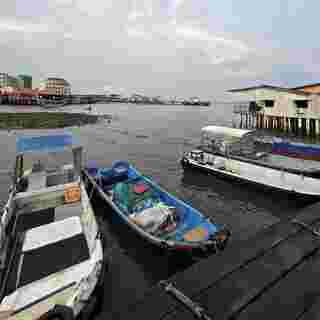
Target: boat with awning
column 233, row 153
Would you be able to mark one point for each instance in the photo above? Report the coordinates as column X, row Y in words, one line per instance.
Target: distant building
column 56, row 86
column 292, row 109
column 8, row 81
column 4, row 80
column 13, row 82
column 25, row 81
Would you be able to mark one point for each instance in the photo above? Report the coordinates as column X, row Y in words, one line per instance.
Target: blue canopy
column 48, row 143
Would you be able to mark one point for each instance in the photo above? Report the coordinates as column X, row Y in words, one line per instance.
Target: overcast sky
column 162, row 47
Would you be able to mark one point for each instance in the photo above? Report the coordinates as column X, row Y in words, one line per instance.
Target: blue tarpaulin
column 50, row 143
column 296, row 150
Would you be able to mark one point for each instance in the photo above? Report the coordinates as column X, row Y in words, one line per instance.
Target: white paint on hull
column 274, row 178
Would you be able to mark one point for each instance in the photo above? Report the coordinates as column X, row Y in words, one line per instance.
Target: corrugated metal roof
column 263, row 86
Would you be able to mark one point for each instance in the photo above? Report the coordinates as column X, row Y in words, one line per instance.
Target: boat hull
column 303, row 196
column 173, row 246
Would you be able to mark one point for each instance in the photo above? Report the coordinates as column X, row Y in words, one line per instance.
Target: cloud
column 157, row 46
column 216, row 48
column 26, row 27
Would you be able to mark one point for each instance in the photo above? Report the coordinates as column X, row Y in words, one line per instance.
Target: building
column 4, row 80
column 55, row 86
column 20, row 82
column 292, row 109
column 8, row 81
column 25, row 81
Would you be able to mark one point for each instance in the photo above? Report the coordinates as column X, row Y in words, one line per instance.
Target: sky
column 180, row 48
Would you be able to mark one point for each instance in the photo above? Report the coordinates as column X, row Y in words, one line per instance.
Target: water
column 152, row 138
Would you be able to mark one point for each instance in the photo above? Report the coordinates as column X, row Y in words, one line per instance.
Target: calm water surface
column 152, row 138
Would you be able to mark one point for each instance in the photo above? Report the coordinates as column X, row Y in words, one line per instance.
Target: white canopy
column 224, row 131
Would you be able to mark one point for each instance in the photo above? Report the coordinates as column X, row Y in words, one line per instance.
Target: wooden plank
column 247, row 284
column 227, row 282
column 291, row 297
column 313, row 313
column 155, row 305
column 180, row 314
column 203, row 274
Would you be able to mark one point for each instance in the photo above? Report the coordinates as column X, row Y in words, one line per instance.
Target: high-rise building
column 13, row 82
column 56, row 86
column 7, row 81
column 25, row 81
column 3, row 80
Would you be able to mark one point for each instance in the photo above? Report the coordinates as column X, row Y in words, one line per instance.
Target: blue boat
column 153, row 213
column 297, row 150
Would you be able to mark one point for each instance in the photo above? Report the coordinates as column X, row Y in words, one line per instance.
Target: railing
column 300, row 112
column 241, row 108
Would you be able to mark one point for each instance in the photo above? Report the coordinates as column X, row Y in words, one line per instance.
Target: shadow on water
column 135, row 265
column 280, row 204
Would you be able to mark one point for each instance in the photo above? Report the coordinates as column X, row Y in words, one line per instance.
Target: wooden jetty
column 248, row 116
column 273, row 275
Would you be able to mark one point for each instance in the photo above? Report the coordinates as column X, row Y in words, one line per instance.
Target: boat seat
column 34, row 219
column 68, row 210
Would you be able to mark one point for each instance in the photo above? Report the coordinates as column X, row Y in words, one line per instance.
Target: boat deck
column 22, row 223
column 37, row 261
column 272, row 275
column 307, row 167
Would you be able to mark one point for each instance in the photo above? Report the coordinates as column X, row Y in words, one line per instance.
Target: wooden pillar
column 308, row 127
column 292, row 128
column 312, row 127
column 303, row 127
column 273, row 123
column 266, row 122
column 317, row 126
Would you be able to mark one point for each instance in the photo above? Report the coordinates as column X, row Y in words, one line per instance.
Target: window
column 269, row 103
column 301, row 104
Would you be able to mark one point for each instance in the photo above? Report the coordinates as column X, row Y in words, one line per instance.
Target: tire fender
column 59, row 312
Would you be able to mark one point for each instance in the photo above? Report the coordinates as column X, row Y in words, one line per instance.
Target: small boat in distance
column 51, row 260
column 232, row 153
column 154, row 214
column 195, row 101
column 52, row 104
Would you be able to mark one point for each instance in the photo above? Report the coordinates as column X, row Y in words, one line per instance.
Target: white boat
column 231, row 153
column 52, row 262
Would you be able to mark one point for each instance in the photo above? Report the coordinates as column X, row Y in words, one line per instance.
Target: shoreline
column 46, row 120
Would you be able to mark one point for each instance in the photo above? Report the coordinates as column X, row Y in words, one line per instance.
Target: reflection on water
column 282, row 205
